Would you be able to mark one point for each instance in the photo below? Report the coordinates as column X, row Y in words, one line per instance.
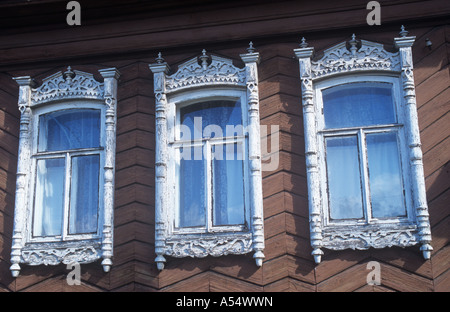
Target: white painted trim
column 369, row 62
column 71, row 89
column 200, row 79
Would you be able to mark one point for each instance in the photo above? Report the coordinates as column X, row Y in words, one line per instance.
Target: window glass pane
column 84, row 195
column 215, row 114
column 69, row 129
column 192, row 197
column 385, row 177
column 344, row 178
column 358, row 104
column 49, row 198
column 228, row 184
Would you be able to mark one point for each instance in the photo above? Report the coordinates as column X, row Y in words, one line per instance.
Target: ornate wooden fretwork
column 58, row 89
column 357, row 57
column 206, row 72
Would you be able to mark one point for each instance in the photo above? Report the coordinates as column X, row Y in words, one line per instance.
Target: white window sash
column 207, row 144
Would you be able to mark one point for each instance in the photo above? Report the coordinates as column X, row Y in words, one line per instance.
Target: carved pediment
column 210, row 71
column 341, row 59
column 68, row 85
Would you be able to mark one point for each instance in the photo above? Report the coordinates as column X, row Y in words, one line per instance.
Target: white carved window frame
column 358, row 61
column 62, row 91
column 206, row 78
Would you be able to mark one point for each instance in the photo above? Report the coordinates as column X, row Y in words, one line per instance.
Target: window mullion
column 67, row 185
column 365, row 175
column 208, row 183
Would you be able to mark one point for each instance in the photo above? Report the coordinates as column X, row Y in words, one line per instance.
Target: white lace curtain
column 63, row 133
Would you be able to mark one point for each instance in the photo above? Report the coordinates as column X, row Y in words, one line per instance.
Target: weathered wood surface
column 288, row 265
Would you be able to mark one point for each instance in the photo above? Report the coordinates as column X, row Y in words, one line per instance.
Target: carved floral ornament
column 68, row 85
column 356, row 57
column 57, row 90
column 206, row 72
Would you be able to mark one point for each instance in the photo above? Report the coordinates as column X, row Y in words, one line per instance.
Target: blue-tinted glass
column 358, row 104
column 344, row 178
column 209, row 119
column 385, row 177
column 49, row 198
column 192, row 197
column 69, row 129
column 228, row 185
column 84, row 195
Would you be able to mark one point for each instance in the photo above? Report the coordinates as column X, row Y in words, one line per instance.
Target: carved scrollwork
column 55, row 88
column 359, row 57
column 340, row 59
column 192, row 74
column 54, row 254
column 365, row 239
column 61, row 86
column 211, row 246
column 205, row 71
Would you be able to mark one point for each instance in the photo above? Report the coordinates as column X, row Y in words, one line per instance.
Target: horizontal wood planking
column 438, row 207
column 288, row 264
column 434, row 109
column 142, row 35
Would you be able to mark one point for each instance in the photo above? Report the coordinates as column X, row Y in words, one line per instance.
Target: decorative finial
column 204, row 59
column 159, row 59
column 250, row 48
column 353, row 44
column 304, row 44
column 69, row 74
column 403, row 32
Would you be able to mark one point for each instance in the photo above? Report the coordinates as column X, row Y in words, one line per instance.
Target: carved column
column 404, row 43
column 23, row 170
column 251, row 59
column 110, row 76
column 160, row 69
column 304, row 54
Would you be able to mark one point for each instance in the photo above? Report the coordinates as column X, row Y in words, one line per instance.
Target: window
column 208, row 164
column 362, row 145
column 65, row 173
column 210, row 169
column 360, row 136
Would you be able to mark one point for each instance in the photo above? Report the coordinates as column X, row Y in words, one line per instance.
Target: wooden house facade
column 36, row 41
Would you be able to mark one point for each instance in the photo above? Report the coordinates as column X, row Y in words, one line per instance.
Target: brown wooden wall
column 288, row 265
